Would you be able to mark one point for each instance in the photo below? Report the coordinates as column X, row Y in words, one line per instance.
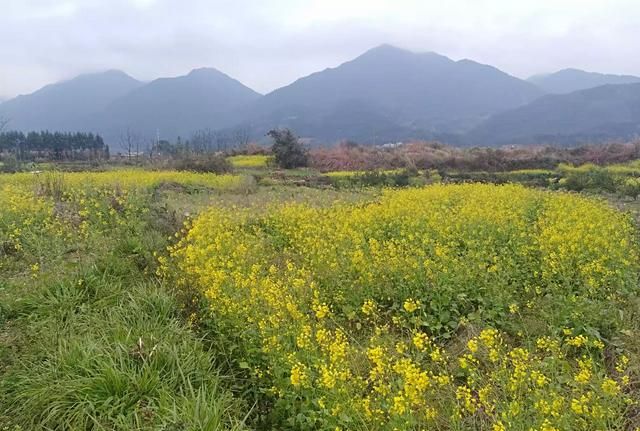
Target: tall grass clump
column 119, row 359
column 89, row 339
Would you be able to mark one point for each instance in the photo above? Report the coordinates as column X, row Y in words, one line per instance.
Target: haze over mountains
column 386, row 94
column 389, row 93
column 205, row 98
column 570, row 80
column 598, row 114
column 67, row 106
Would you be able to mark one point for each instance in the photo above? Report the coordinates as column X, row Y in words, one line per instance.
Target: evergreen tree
column 288, row 150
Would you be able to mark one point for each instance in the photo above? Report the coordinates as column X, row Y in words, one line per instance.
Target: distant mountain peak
column 109, row 73
column 572, row 69
column 66, row 105
column 384, row 51
column 204, row 98
column 204, row 71
column 210, row 76
column 387, row 49
column 113, row 72
column 391, row 93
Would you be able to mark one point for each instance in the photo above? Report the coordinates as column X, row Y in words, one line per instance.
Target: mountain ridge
column 384, row 94
column 177, row 106
column 597, row 114
column 67, row 105
column 569, row 80
column 420, row 93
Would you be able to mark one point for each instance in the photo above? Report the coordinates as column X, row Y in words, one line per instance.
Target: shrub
column 432, row 155
column 209, row 162
column 10, row 165
column 288, row 150
column 52, row 184
column 587, row 177
column 630, row 187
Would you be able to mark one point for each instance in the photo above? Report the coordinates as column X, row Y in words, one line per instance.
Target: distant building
column 392, row 145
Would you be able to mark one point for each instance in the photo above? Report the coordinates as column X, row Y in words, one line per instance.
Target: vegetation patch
column 89, row 338
column 448, row 307
column 250, row 161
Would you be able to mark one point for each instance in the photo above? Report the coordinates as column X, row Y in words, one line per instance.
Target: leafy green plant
column 287, row 149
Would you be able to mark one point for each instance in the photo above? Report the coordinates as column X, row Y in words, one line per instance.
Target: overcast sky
column 269, row 43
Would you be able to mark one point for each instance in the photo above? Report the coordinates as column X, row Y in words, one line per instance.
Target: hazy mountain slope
column 570, row 80
column 394, row 90
column 205, row 98
column 67, row 105
column 594, row 115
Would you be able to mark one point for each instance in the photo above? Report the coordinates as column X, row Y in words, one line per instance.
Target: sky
column 270, row 43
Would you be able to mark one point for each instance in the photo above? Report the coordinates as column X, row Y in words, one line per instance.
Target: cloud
column 269, row 43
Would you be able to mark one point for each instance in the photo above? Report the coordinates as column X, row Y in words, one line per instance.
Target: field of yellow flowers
column 442, row 308
column 52, row 206
column 447, row 307
column 250, row 161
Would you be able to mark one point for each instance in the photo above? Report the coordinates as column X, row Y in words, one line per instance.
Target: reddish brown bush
column 433, row 155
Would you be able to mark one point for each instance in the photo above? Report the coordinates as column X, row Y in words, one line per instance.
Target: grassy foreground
column 89, row 338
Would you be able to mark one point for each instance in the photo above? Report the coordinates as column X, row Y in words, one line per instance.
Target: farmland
column 139, row 299
column 319, row 216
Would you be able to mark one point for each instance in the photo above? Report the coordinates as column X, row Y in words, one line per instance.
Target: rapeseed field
column 448, row 307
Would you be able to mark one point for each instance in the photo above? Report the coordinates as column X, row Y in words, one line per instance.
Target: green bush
column 630, row 187
column 210, row 163
column 587, row 177
column 288, row 150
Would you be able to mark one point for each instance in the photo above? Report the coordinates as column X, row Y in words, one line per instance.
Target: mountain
column 68, row 105
column 570, row 80
column 595, row 115
column 110, row 102
column 386, row 94
column 389, row 93
column 205, row 98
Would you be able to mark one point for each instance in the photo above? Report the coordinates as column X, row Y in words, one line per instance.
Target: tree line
column 53, row 146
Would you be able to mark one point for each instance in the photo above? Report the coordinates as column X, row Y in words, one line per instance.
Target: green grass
column 106, row 356
column 181, row 205
column 96, row 342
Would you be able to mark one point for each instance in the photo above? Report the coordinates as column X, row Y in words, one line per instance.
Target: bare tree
column 241, row 136
column 222, row 140
column 208, row 140
column 150, row 143
column 129, row 139
column 202, row 140
column 137, row 149
column 126, row 141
